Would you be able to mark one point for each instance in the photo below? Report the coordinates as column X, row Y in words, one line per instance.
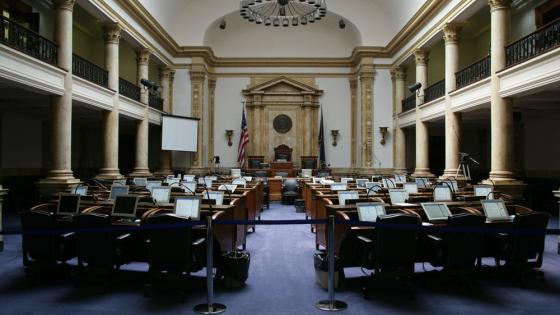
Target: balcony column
column 211, row 101
column 451, row 36
column 422, row 136
column 141, row 168
column 166, row 75
column 354, row 119
column 198, row 76
column 399, row 137
column 110, row 169
column 60, row 171
column 367, row 77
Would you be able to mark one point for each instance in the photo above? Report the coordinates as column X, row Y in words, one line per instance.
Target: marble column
column 60, row 169
column 166, row 78
column 399, row 136
column 451, row 36
column 367, row 76
column 308, row 140
column 211, row 103
column 141, row 168
column 110, row 169
column 422, row 136
column 501, row 112
column 354, row 120
column 198, row 76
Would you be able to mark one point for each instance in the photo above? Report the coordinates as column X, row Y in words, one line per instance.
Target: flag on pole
column 322, row 155
column 243, row 141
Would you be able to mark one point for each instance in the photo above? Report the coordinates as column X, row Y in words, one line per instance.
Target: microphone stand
column 207, row 195
column 184, row 186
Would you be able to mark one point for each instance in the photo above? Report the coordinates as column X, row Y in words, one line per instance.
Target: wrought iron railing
column 409, row 103
column 543, row 39
column 473, row 73
column 89, row 71
column 155, row 101
column 25, row 40
column 434, row 91
column 129, row 89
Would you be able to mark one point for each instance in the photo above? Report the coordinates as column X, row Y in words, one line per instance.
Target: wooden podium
column 287, row 167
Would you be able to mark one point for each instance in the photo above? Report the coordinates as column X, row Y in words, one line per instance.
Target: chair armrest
column 433, row 239
column 364, row 240
column 124, row 237
column 67, row 236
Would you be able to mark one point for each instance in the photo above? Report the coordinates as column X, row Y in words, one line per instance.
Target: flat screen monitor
column 248, row 178
column 369, row 211
column 189, row 178
column 338, row 186
column 188, row 207
column 422, row 182
column 204, row 182
column 398, row 196
column 453, row 184
column 306, row 173
column 235, row 172
column 373, row 187
column 388, row 183
column 495, row 209
column 118, row 190
column 361, row 182
column 412, row 188
column 376, row 178
column 80, row 190
column 345, row 195
column 228, row 188
column 121, row 182
column 318, row 180
column 161, row 195
column 436, row 211
column 173, row 181
column 400, row 178
column 152, row 183
column 484, row 191
column 239, row 181
column 327, row 182
column 212, row 178
column 215, row 195
column 442, row 193
column 346, row 180
column 189, row 187
column 125, row 206
column 140, row 181
column 68, row 204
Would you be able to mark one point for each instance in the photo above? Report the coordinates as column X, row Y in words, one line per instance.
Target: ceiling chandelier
column 283, row 12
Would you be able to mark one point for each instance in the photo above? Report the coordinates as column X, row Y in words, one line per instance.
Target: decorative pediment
column 282, row 85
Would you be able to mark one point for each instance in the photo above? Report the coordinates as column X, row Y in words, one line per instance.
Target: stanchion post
column 331, row 304
column 209, row 307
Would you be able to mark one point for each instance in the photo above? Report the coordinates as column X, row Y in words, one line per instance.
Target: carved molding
column 452, row 32
column 421, row 56
column 366, row 81
column 398, row 74
column 197, row 103
column 64, row 5
column 499, row 4
column 143, row 56
column 354, row 120
column 112, row 32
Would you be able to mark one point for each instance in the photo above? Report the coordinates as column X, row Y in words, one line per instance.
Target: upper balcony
column 25, row 40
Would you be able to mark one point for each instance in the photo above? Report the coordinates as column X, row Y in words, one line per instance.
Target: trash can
column 235, row 268
column 300, row 205
column 322, row 270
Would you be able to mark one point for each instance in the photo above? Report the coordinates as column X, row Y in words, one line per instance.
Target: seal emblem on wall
column 282, row 123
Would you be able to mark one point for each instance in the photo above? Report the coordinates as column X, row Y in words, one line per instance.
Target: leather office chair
column 290, row 189
column 171, row 253
column 48, row 248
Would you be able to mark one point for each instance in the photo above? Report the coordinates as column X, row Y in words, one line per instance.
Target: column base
column 400, row 171
column 53, row 185
column 452, row 174
column 510, row 186
column 198, row 170
column 109, row 174
column 140, row 172
column 163, row 172
column 422, row 172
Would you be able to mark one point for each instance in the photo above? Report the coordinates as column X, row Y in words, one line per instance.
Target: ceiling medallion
column 283, row 12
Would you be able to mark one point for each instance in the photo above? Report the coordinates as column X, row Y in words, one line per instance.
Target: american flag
column 243, row 140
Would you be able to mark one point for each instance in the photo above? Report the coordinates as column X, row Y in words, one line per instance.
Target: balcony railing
column 409, row 103
column 129, row 89
column 473, row 73
column 434, row 91
column 542, row 40
column 155, row 101
column 27, row 41
column 89, row 71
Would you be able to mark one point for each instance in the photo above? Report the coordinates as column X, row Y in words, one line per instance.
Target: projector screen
column 179, row 133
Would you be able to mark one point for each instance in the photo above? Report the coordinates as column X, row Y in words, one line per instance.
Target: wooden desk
column 3, row 193
column 275, row 189
column 557, row 195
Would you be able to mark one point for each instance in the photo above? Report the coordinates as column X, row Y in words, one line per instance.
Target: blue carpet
column 281, row 281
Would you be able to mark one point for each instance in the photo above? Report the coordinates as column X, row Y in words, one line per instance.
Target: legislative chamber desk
column 557, row 195
column 287, row 167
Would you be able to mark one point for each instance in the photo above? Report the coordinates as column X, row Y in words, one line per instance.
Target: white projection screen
column 179, row 133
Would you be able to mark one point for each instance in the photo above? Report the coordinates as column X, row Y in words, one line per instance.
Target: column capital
column 197, row 75
column 421, row 56
column 398, row 73
column 353, row 83
column 64, row 5
column 212, row 82
column 143, row 56
column 166, row 73
column 452, row 32
column 499, row 4
column 367, row 73
column 112, row 32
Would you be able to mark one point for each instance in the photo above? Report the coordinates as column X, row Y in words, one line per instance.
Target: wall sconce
column 383, row 131
column 334, row 134
column 229, row 134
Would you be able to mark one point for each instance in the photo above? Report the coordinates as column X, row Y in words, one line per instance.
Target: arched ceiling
column 187, row 21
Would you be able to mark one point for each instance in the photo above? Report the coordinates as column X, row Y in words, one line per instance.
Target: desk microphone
column 370, row 189
column 207, row 194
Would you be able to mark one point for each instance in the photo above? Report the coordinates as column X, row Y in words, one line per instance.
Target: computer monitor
column 189, row 187
column 388, row 183
column 443, row 193
column 121, row 182
column 161, row 195
column 421, row 182
column 152, row 183
column 118, row 190
column 140, row 181
column 189, row 178
column 400, row 178
column 345, row 195
column 214, row 195
column 398, row 195
column 235, row 172
column 338, row 186
column 228, row 188
column 369, row 211
column 248, row 178
column 68, row 204
column 361, row 182
column 495, row 209
column 411, row 188
column 373, row 186
column 436, row 211
column 173, row 181
column 484, row 191
column 205, row 182
column 318, row 180
column 125, row 206
column 346, row 180
column 239, row 181
column 306, row 173
column 212, row 178
column 376, row 178
column 80, row 190
column 327, row 182
column 188, row 206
